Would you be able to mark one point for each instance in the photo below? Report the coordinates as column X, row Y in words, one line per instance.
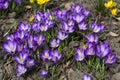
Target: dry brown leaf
column 118, row 18
column 113, row 34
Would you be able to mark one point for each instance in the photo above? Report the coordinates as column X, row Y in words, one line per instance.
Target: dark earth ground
column 111, row 35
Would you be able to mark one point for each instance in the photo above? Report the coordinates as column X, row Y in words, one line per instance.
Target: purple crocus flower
column 10, row 46
column 86, row 12
column 39, row 40
column 46, row 15
column 102, row 49
column 38, row 16
column 5, row 5
column 92, row 38
column 82, row 26
column 24, row 27
column 18, row 1
column 70, row 15
column 61, row 14
column 78, row 18
column 97, row 28
column 90, row 51
column 20, row 47
column 110, row 59
column 35, row 27
column 76, row 8
column 44, row 27
column 46, row 55
column 50, row 23
column 30, row 63
column 21, row 70
column 20, row 35
column 54, row 43
column 68, row 27
column 55, row 56
column 43, row 73
column 87, row 77
column 80, row 56
column 21, row 58
column 62, row 35
column 31, row 41
column 10, row 37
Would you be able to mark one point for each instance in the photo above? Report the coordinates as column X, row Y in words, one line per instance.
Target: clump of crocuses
column 29, row 38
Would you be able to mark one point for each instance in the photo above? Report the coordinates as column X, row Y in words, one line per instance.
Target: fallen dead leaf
column 113, row 34
column 118, row 18
column 68, row 5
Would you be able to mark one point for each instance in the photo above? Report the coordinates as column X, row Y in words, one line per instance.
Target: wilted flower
column 54, row 43
column 31, row 18
column 27, row 7
column 103, row 49
column 55, row 56
column 62, row 35
column 10, row 46
column 110, row 59
column 43, row 73
column 80, row 56
column 21, row 70
column 87, row 77
column 21, row 58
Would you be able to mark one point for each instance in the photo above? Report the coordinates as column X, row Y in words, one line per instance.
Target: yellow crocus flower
column 40, row 2
column 110, row 4
column 31, row 1
column 114, row 11
column 47, row 1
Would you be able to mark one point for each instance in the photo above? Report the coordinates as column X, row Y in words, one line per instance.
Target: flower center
column 11, row 48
